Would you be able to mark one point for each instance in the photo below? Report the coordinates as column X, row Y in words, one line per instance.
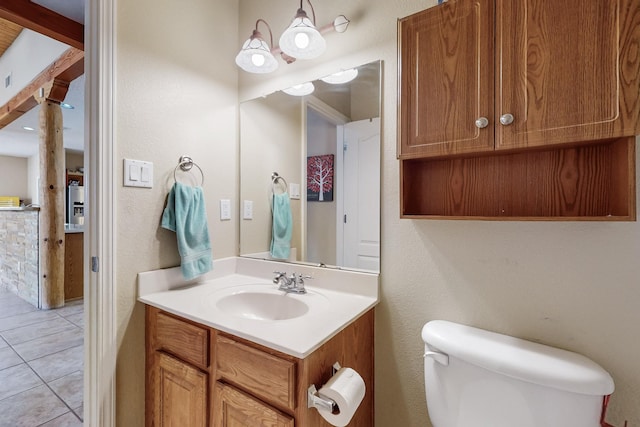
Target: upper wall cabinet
column 484, row 75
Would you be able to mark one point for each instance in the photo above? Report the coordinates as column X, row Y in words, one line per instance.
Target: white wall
column 176, row 94
column 569, row 284
column 23, row 68
column 33, row 173
column 13, row 177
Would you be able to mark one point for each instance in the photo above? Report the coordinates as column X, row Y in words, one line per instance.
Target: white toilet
column 476, row 378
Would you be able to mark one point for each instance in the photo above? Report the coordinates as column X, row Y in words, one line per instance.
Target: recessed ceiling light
column 67, row 106
column 29, row 128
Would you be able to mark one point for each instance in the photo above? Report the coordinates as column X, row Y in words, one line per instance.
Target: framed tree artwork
column 320, row 178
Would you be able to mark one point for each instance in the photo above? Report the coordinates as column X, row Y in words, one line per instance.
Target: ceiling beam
column 55, row 78
column 45, row 21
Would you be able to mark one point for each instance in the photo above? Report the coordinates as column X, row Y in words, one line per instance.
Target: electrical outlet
column 225, row 209
column 248, row 209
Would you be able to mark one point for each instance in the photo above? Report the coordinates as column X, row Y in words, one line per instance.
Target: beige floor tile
column 50, row 344
column 37, row 330
column 77, row 319
column 13, row 308
column 17, row 379
column 67, row 420
column 57, row 365
column 26, row 319
column 9, row 358
column 69, row 388
column 31, row 408
column 70, row 308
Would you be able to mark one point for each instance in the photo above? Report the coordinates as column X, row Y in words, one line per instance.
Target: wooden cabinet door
column 73, row 266
column 181, row 399
column 233, row 408
column 566, row 71
column 446, row 70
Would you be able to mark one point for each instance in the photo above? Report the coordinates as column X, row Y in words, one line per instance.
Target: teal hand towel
column 282, row 226
column 186, row 216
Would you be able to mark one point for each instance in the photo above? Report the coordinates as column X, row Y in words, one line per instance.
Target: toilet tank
column 477, row 378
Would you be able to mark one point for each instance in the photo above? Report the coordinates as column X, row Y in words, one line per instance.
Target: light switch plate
column 225, row 209
column 138, row 173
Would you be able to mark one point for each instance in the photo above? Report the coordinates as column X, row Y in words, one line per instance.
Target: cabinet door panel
column 565, row 71
column 446, row 79
column 234, row 408
column 182, row 390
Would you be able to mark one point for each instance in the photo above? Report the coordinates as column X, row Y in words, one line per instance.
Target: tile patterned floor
column 41, row 364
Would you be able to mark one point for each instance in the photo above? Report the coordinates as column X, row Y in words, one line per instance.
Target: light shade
column 255, row 55
column 300, row 90
column 302, row 40
column 341, row 77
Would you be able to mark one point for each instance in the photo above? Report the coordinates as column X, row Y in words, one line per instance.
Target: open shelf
column 589, row 182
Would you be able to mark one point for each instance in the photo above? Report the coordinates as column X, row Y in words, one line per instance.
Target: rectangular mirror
column 333, row 133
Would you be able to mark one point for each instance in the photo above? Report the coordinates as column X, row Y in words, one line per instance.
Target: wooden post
column 52, row 212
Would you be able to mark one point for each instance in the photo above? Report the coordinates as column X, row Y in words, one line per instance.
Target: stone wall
column 19, row 253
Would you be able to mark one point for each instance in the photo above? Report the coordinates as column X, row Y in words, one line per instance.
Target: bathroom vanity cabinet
column 200, row 376
column 522, row 109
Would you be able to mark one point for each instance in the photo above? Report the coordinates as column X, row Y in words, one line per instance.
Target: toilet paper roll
column 347, row 389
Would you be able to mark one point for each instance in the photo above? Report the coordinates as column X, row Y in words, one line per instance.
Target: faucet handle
column 279, row 275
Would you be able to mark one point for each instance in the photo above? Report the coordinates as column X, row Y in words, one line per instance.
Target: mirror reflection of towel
column 282, row 227
column 185, row 215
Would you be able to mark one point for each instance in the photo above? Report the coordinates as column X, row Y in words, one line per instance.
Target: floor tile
column 80, row 412
column 50, row 344
column 16, row 307
column 37, row 330
column 26, row 319
column 17, row 379
column 67, row 420
column 3, row 343
column 9, row 358
column 69, row 388
column 31, row 408
column 77, row 319
column 57, row 365
column 70, row 308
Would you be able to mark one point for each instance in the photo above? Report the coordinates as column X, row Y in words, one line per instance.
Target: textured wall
column 19, row 254
column 176, row 94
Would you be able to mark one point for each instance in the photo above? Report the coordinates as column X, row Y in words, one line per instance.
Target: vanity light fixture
column 300, row 90
column 255, row 55
column 301, row 40
column 344, row 76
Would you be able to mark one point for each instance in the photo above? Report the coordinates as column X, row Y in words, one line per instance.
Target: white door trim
column 99, row 238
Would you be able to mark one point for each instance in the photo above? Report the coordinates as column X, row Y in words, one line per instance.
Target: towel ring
column 186, row 163
column 275, row 178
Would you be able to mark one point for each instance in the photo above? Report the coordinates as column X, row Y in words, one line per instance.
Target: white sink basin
column 262, row 302
column 263, row 306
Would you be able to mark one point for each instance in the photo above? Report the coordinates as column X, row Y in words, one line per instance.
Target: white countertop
column 336, row 298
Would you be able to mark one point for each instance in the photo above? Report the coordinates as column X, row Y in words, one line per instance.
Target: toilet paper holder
column 319, row 402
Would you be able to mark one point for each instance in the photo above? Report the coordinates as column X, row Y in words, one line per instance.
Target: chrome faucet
column 294, row 283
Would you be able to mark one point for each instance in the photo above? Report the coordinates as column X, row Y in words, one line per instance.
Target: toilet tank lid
column 518, row 358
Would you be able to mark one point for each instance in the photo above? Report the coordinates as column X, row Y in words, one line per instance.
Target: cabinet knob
column 506, row 119
column 482, row 122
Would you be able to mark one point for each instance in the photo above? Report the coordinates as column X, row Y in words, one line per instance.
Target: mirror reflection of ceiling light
column 300, row 90
column 301, row 40
column 341, row 77
column 29, row 128
column 67, row 106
